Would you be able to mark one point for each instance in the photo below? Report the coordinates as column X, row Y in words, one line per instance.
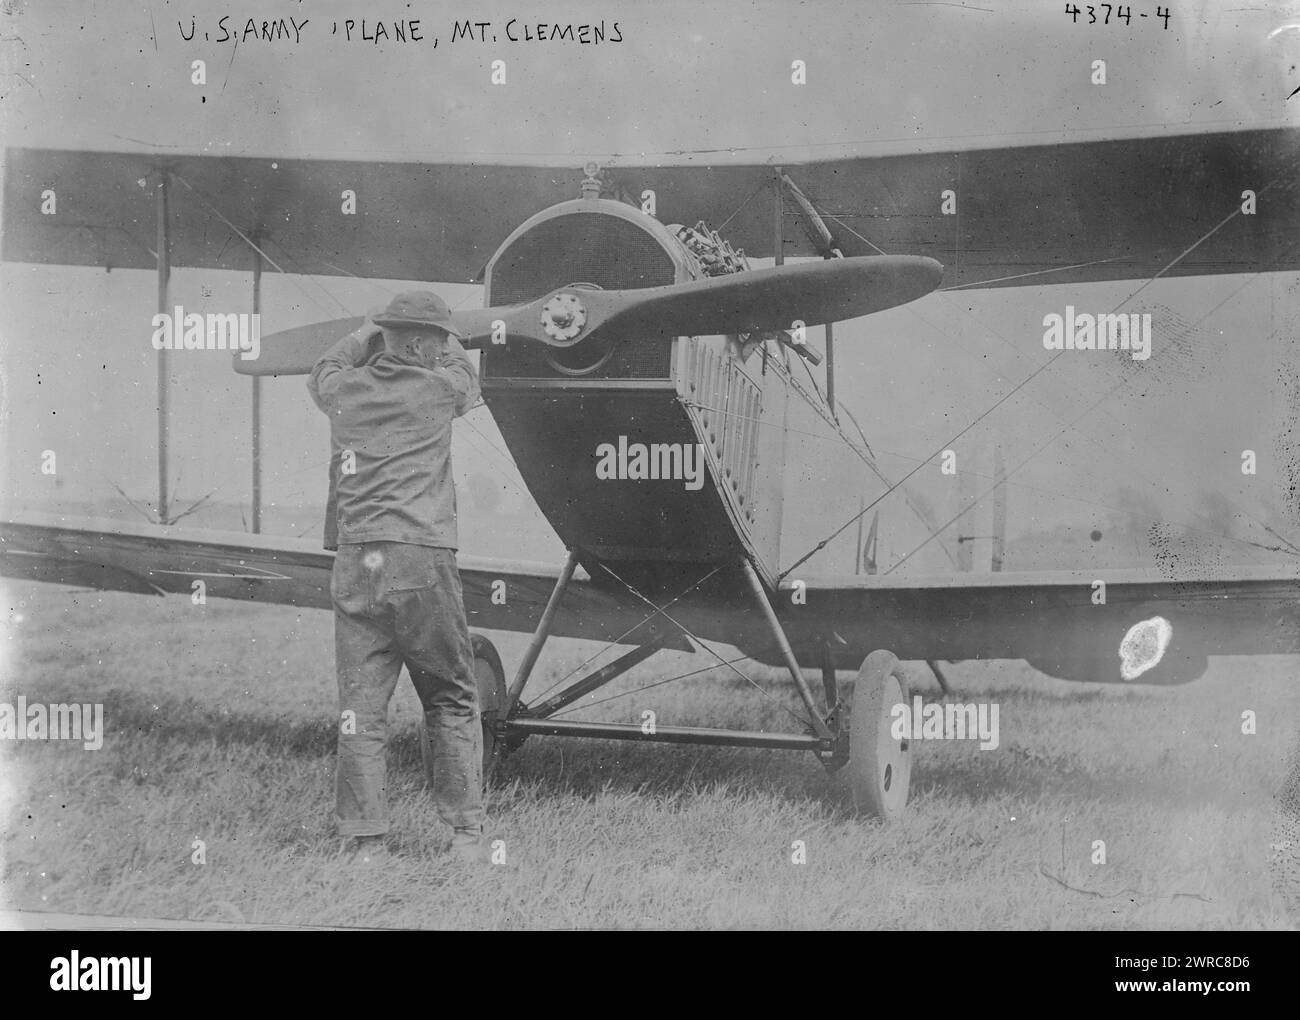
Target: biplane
column 607, row 325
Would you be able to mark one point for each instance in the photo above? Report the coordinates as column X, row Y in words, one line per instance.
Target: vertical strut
column 830, row 684
column 543, row 629
column 164, row 280
column 787, row 653
column 999, row 509
column 825, row 241
column 830, row 369
column 257, row 402
column 938, row 675
column 778, row 210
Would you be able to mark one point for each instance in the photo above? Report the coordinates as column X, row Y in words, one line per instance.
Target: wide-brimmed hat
column 415, row 308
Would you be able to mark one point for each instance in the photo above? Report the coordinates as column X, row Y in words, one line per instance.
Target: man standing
column 395, row 587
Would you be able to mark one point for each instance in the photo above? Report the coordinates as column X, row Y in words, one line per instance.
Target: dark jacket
column 390, row 423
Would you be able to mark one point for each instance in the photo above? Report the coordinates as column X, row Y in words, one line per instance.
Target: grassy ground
column 220, row 727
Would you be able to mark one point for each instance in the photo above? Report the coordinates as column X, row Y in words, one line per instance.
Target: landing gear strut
column 853, row 735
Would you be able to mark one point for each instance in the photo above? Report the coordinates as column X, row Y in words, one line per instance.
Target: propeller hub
column 563, row 317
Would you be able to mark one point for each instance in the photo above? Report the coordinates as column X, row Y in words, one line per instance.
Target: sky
column 700, row 75
column 697, row 83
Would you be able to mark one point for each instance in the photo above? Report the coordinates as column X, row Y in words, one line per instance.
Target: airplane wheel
column 491, row 676
column 879, row 769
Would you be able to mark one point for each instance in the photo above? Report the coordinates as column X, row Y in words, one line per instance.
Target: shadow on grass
column 1036, row 777
column 558, row 766
column 188, row 720
column 590, row 767
column 587, row 769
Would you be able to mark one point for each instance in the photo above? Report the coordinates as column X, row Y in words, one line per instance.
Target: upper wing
column 1077, row 211
column 1036, row 214
column 436, row 222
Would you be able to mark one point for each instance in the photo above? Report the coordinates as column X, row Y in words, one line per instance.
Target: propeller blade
column 294, row 351
column 763, row 299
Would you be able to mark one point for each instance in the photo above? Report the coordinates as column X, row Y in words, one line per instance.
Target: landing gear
column 492, row 703
column 491, row 677
column 853, row 734
column 879, row 766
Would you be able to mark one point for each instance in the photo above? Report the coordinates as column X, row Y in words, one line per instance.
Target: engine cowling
column 589, row 242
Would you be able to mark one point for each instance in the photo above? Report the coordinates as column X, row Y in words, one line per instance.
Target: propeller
column 763, row 299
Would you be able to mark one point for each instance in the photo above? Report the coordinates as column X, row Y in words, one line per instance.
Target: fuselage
column 661, row 460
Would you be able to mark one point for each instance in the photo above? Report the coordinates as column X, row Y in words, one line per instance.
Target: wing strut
column 257, row 398
column 164, row 280
column 821, row 237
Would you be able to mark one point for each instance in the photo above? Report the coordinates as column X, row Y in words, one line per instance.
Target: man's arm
column 348, row 353
column 455, row 368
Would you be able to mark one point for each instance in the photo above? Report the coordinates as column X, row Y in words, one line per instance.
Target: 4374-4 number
column 1120, row 11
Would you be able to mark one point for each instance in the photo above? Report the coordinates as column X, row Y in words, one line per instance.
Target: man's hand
column 350, row 352
column 433, row 350
column 459, row 371
column 440, row 353
column 365, row 335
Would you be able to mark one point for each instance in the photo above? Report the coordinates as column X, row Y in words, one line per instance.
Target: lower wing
column 1114, row 626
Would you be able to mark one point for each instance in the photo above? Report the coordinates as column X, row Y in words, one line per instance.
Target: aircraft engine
column 588, row 243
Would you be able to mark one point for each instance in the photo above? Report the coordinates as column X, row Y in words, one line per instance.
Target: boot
column 469, row 847
column 366, row 851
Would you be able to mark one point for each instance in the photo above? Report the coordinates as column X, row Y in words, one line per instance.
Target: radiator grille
column 730, row 406
column 580, row 248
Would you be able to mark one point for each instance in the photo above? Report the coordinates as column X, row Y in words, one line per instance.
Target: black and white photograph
column 705, row 465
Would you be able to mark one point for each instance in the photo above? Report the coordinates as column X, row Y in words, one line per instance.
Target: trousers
column 397, row 604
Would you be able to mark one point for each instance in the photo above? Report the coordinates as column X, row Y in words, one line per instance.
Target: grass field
column 220, row 728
